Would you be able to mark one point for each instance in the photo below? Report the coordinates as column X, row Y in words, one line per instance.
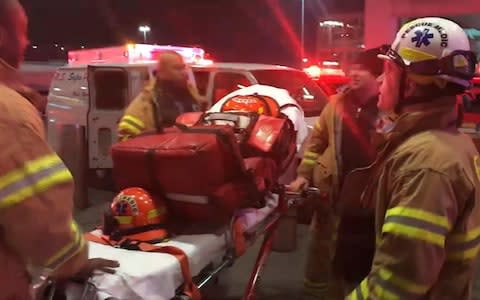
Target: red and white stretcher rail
column 157, row 276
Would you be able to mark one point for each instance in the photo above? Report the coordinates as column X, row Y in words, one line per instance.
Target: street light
column 330, row 25
column 144, row 29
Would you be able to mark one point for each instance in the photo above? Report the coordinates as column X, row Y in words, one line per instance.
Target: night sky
column 231, row 30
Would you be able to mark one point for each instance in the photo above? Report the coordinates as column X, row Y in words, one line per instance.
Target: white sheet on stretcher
column 156, row 276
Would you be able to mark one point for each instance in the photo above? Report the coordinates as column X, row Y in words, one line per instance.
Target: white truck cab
column 88, row 96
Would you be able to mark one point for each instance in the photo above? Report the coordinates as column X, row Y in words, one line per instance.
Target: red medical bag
column 198, row 169
column 260, row 135
column 274, row 138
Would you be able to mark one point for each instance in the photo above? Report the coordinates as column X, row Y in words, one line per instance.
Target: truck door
column 108, row 96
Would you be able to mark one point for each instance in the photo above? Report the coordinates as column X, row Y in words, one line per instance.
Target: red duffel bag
column 198, row 169
column 260, row 135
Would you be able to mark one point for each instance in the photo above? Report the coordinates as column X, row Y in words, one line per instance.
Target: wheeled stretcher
column 245, row 154
column 143, row 275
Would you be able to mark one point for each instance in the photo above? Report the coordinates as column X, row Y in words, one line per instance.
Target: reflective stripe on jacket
column 427, row 194
column 139, row 115
column 321, row 159
column 37, row 231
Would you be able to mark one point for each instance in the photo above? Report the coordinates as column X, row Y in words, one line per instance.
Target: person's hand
column 97, row 264
column 298, row 184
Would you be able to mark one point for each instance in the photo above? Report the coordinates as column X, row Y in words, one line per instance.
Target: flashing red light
column 331, row 63
column 313, row 71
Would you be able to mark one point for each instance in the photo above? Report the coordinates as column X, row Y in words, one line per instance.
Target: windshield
column 305, row 91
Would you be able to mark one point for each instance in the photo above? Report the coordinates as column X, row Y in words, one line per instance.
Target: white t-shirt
column 294, row 113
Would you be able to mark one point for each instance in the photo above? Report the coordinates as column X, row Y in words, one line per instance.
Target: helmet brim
column 387, row 57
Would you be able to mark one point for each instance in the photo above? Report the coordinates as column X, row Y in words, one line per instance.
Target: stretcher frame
column 266, row 228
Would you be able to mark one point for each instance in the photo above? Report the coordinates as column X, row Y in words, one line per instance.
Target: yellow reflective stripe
column 69, row 250
column 353, row 296
column 309, row 162
column 360, row 293
column 465, row 237
column 155, row 213
column 123, row 137
column 420, row 215
column 124, row 220
column 405, row 284
column 128, row 128
column 414, row 233
column 30, row 167
column 464, row 255
column 383, row 294
column 134, row 121
column 34, row 177
column 464, row 246
column 364, row 288
column 310, row 154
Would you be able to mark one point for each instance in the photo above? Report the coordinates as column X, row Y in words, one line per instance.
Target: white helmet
column 434, row 47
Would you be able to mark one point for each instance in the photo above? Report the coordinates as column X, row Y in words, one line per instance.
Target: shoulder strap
column 189, row 288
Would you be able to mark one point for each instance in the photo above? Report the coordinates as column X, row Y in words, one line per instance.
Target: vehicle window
column 304, row 90
column 111, row 88
column 138, row 79
column 201, row 80
column 226, row 82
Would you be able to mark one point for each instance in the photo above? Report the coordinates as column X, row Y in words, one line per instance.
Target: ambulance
column 88, row 96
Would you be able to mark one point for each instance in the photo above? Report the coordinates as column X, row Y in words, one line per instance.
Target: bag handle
column 222, row 117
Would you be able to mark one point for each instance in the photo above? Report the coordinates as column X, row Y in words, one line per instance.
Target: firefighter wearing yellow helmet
column 425, row 184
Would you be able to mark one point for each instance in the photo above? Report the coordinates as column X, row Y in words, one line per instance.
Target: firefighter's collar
column 8, row 73
column 440, row 114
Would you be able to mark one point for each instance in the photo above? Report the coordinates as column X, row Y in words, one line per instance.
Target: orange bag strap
column 189, row 288
column 238, row 236
column 99, row 239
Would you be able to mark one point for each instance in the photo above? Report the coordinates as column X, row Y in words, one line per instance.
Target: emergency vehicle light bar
column 315, row 72
column 132, row 53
